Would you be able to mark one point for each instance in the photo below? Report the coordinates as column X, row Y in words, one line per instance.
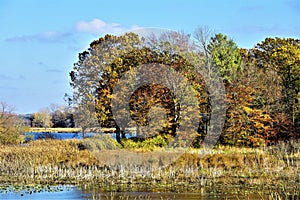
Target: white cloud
column 98, row 26
column 93, row 26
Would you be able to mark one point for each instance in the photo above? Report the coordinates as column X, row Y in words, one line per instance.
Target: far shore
column 70, row 130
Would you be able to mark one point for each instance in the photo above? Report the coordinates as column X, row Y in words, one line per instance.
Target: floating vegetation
column 33, row 188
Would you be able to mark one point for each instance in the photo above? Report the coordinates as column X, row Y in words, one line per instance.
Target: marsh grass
column 101, row 163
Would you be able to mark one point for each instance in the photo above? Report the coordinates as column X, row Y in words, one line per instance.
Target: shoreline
column 69, row 130
column 76, row 130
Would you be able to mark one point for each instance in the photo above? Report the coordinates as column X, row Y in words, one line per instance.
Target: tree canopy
column 262, row 85
column 225, row 55
column 283, row 56
column 111, row 57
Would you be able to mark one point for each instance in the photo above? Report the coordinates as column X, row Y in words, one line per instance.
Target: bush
column 100, row 142
column 11, row 126
column 148, row 144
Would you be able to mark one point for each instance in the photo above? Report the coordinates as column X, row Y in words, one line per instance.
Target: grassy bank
column 102, row 163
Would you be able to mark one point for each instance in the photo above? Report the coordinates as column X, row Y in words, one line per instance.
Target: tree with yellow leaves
column 283, row 56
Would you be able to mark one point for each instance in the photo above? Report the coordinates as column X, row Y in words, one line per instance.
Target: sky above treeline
column 40, row 40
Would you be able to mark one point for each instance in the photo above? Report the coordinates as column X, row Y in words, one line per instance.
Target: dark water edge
column 73, row 192
column 77, row 194
column 81, row 192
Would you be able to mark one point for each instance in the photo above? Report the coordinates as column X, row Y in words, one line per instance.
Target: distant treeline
column 57, row 117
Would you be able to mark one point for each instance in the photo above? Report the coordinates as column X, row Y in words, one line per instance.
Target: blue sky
column 40, row 40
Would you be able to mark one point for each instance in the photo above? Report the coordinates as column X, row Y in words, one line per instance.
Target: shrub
column 148, row 144
column 100, row 142
column 11, row 126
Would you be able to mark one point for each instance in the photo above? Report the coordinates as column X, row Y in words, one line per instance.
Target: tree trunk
column 118, row 136
column 123, row 134
column 83, row 132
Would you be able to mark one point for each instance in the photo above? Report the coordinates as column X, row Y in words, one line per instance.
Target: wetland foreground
column 100, row 168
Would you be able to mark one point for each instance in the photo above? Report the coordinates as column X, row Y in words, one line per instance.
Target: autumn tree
column 90, row 75
column 282, row 56
column 11, row 126
column 247, row 123
column 254, row 117
column 255, row 80
column 42, row 119
column 99, row 70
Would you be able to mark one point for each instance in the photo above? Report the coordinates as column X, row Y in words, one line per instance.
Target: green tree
column 225, row 55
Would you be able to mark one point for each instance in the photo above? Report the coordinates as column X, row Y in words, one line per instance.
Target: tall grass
column 102, row 162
